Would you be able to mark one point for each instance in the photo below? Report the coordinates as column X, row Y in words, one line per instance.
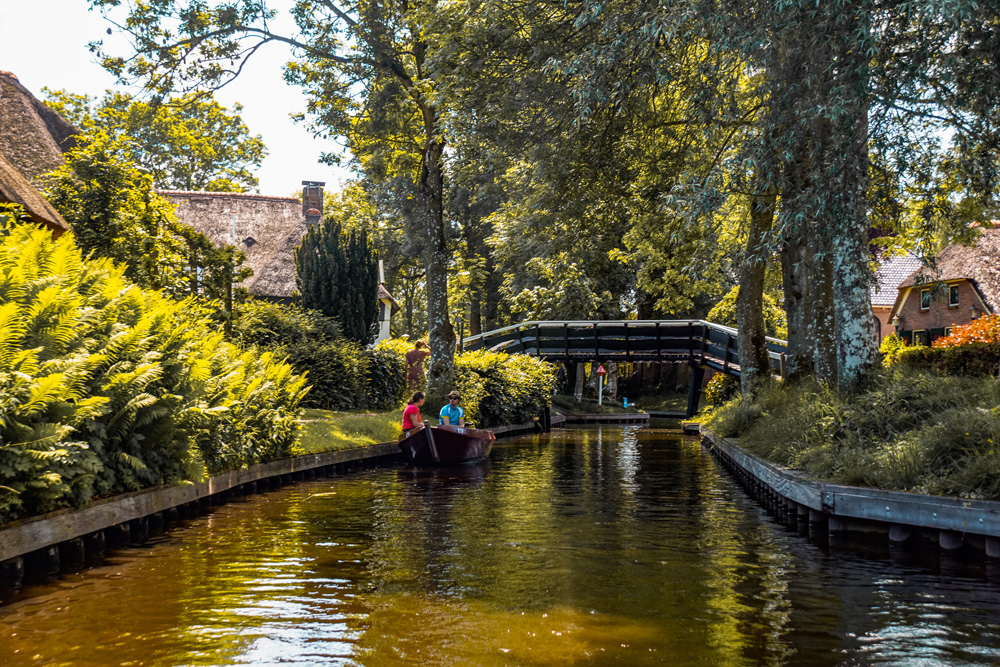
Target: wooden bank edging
column 28, row 535
column 858, row 508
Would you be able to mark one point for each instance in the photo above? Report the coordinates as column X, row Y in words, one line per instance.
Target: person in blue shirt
column 452, row 414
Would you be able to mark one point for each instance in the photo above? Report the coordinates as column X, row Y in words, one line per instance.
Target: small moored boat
column 436, row 445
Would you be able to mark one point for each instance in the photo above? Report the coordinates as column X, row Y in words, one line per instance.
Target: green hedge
column 971, row 359
column 342, row 374
column 499, row 388
column 107, row 388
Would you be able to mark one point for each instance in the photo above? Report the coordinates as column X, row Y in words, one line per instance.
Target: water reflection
column 597, row 546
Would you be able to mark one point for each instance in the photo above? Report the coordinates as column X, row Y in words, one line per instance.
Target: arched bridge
column 696, row 342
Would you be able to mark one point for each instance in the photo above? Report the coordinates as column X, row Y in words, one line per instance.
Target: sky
column 44, row 43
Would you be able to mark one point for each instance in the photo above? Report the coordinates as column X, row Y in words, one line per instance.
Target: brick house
column 963, row 285
column 888, row 277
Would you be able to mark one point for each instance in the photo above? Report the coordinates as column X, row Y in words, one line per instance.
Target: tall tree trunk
column 796, row 262
column 441, row 335
column 755, row 367
column 857, row 342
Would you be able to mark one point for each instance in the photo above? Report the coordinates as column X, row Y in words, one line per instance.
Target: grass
column 908, row 431
column 663, row 403
column 327, row 431
column 589, row 406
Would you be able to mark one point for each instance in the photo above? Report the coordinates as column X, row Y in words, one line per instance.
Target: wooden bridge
column 698, row 343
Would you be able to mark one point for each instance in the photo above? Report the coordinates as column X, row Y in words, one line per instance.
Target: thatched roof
column 979, row 264
column 14, row 187
column 383, row 293
column 268, row 229
column 32, row 136
column 889, row 275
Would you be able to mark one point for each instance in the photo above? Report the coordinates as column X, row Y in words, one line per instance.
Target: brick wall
column 940, row 315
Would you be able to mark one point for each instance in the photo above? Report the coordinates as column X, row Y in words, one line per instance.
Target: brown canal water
column 602, row 546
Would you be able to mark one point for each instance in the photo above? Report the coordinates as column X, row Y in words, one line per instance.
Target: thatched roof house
column 33, row 137
column 267, row 229
column 15, row 188
column 963, row 284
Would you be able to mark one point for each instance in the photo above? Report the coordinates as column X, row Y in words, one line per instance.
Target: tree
column 337, row 274
column 187, row 142
column 114, row 212
column 818, row 89
column 369, row 71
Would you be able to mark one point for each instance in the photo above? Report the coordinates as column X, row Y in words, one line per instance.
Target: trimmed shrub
column 107, row 388
column 967, row 359
column 386, row 378
column 499, row 388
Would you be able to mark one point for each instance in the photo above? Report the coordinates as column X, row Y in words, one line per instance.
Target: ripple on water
column 593, row 546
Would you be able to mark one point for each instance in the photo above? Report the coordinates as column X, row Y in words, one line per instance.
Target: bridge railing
column 699, row 341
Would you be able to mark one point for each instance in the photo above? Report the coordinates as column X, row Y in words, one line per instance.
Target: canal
column 621, row 545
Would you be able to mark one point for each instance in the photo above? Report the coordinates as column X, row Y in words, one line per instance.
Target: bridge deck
column 694, row 341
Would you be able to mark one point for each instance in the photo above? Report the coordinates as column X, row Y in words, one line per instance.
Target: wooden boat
column 440, row 445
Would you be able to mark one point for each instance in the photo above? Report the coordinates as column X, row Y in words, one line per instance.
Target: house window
column 925, row 299
column 920, row 337
column 947, row 331
column 953, row 295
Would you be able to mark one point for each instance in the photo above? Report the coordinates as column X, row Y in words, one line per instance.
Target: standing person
column 411, row 415
column 415, row 365
column 452, row 414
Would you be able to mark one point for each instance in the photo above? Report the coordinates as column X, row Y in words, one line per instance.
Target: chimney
column 312, row 201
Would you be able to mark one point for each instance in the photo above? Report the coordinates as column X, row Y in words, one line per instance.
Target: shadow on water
column 592, row 546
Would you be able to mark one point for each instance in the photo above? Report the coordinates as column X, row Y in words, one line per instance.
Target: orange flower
column 984, row 330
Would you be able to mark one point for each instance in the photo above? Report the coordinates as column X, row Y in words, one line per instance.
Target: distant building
column 267, row 229
column 888, row 277
column 963, row 285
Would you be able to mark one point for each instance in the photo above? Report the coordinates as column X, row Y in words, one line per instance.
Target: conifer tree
column 336, row 274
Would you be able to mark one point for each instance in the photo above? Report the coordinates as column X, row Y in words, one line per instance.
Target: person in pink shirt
column 411, row 415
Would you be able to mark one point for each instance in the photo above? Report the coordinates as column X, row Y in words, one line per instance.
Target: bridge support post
column 694, row 388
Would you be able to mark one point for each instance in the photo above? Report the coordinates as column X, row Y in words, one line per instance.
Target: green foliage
column 11, row 214
column 721, row 388
column 890, row 349
column 775, row 321
column 970, row 359
column 343, row 375
column 107, row 388
column 114, row 212
column 187, row 142
column 499, row 388
column 909, row 431
column 337, row 274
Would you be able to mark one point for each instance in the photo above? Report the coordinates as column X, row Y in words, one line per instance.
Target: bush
column 343, row 374
column 721, row 388
column 107, row 388
column 984, row 330
column 892, row 345
column 967, row 359
column 909, row 431
column 499, row 388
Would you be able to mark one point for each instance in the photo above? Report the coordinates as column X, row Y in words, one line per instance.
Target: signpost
column 600, row 384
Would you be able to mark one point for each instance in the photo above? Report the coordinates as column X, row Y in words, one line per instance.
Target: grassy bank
column 909, row 431
column 327, row 431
